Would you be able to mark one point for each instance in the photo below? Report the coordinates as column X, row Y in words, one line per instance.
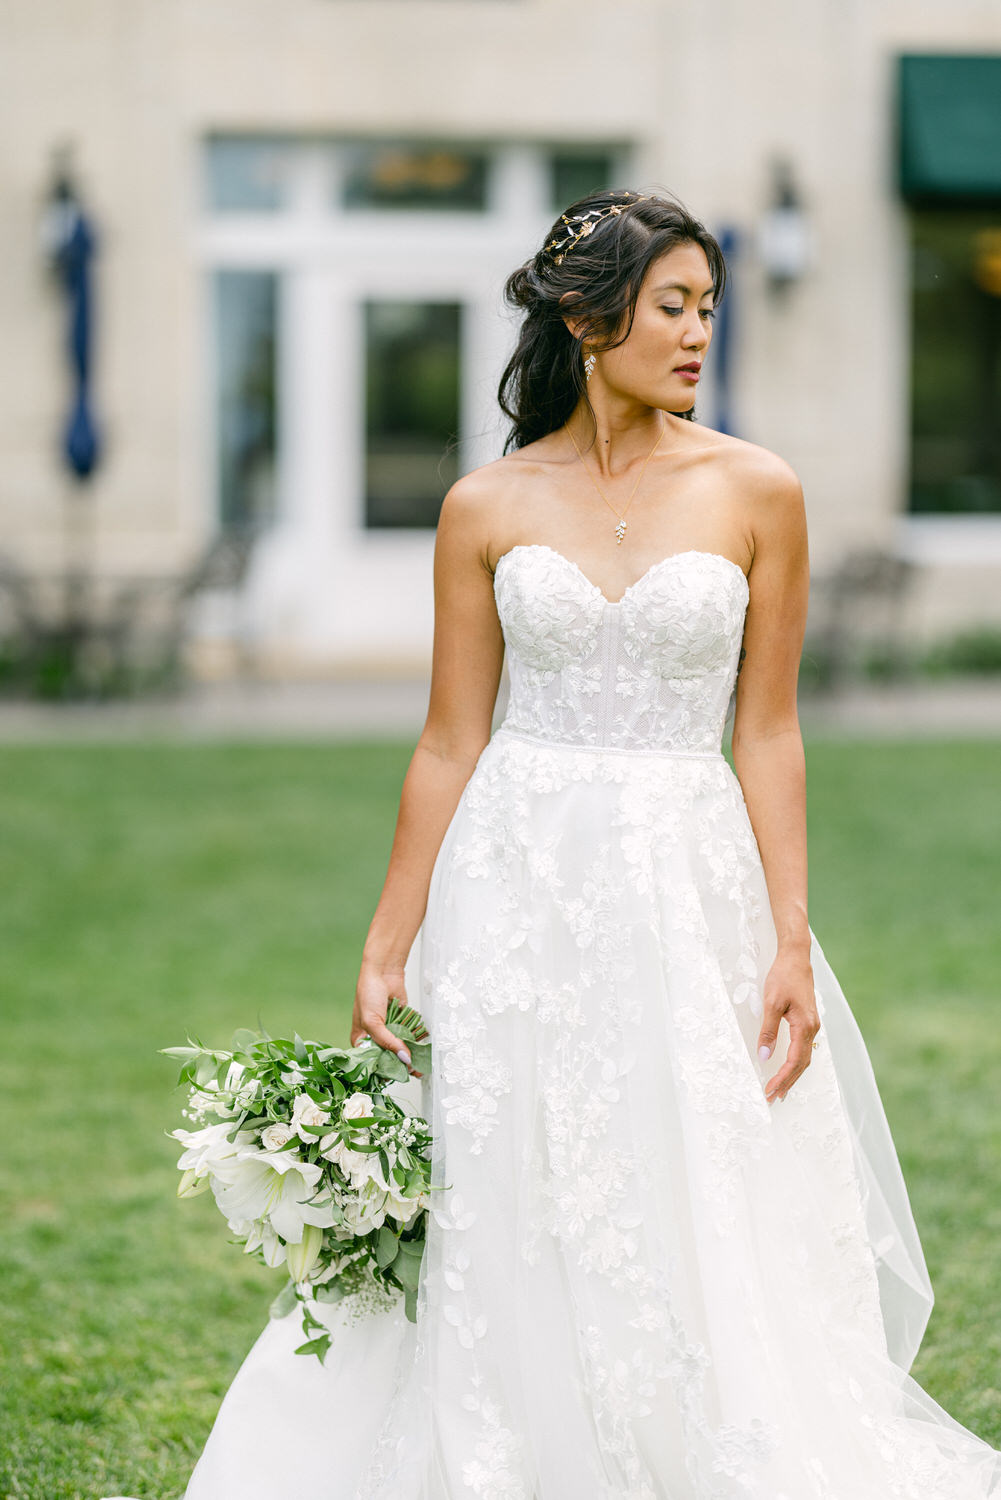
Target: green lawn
column 149, row 892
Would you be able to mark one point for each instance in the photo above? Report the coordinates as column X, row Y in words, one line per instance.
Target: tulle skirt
column 642, row 1281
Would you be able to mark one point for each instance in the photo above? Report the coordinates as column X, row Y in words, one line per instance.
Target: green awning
column 950, row 126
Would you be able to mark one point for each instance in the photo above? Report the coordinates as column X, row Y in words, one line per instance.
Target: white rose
column 358, row 1105
column 351, row 1163
column 276, row 1135
column 401, row 1209
column 354, row 1164
column 367, row 1168
column 306, row 1111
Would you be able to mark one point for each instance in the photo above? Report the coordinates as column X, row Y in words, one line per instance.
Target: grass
column 153, row 891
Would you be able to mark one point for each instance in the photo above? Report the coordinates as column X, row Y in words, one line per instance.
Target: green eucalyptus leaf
column 391, row 1066
column 320, row 1347
column 408, row 1269
column 206, row 1069
column 330, row 1291
column 420, row 1056
column 386, row 1247
column 308, row 1320
column 285, row 1301
column 243, row 1039
column 412, row 1184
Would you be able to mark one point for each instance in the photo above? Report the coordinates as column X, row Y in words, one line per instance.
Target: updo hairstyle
column 604, row 267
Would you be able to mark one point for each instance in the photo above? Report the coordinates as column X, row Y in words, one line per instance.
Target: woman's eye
column 707, row 312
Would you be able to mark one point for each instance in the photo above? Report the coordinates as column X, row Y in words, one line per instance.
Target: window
column 374, row 267
column 956, row 361
column 574, row 174
column 413, row 176
column 246, row 322
column 248, row 175
column 411, row 410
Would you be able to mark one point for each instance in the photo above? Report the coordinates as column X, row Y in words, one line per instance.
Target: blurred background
column 250, row 289
column 251, row 298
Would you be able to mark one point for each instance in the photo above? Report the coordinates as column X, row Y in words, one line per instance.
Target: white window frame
column 330, row 260
column 322, row 582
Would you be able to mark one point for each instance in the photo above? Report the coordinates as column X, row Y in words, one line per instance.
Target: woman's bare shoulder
column 485, row 501
column 765, row 489
column 751, row 462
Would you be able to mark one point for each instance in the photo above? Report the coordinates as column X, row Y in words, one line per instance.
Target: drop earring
column 589, row 364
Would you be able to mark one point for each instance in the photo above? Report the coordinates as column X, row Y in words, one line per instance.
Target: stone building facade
column 306, row 210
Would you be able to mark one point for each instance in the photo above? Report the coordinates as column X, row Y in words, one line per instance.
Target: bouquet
column 313, row 1164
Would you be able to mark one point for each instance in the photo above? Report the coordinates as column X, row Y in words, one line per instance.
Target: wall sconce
column 785, row 242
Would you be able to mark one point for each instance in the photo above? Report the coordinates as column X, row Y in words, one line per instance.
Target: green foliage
column 256, row 1084
column 153, row 893
column 977, row 650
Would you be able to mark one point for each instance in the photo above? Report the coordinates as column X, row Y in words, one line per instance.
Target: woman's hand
column 789, row 992
column 375, row 986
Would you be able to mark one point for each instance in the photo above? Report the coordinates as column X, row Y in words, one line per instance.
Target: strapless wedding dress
column 642, row 1282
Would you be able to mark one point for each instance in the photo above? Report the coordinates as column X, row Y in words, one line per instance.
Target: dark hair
column 544, row 378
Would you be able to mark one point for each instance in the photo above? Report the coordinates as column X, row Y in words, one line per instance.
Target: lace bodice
column 652, row 671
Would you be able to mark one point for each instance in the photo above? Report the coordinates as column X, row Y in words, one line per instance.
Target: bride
column 671, row 1256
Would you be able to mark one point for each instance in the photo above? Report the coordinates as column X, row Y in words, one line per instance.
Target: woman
column 672, row 1254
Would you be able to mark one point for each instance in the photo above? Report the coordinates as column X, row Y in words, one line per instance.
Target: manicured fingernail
column 402, row 1052
column 764, row 1053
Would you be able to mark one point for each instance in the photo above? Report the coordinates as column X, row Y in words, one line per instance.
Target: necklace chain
column 620, row 529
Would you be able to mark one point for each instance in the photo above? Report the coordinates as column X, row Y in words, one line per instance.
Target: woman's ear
column 574, row 324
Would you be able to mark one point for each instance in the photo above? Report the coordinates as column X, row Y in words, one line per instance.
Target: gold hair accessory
column 587, row 222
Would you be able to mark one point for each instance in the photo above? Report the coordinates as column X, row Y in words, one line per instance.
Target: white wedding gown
column 642, row 1281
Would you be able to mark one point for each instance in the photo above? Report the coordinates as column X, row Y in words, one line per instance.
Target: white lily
column 191, row 1185
column 261, row 1236
column 301, row 1258
column 273, row 1185
column 207, row 1151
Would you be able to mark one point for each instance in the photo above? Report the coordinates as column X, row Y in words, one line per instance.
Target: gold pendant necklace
column 620, row 529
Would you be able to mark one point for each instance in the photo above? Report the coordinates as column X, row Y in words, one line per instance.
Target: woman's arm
column 769, row 762
column 465, row 673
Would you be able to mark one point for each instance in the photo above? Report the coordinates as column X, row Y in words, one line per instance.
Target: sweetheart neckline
column 630, row 588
